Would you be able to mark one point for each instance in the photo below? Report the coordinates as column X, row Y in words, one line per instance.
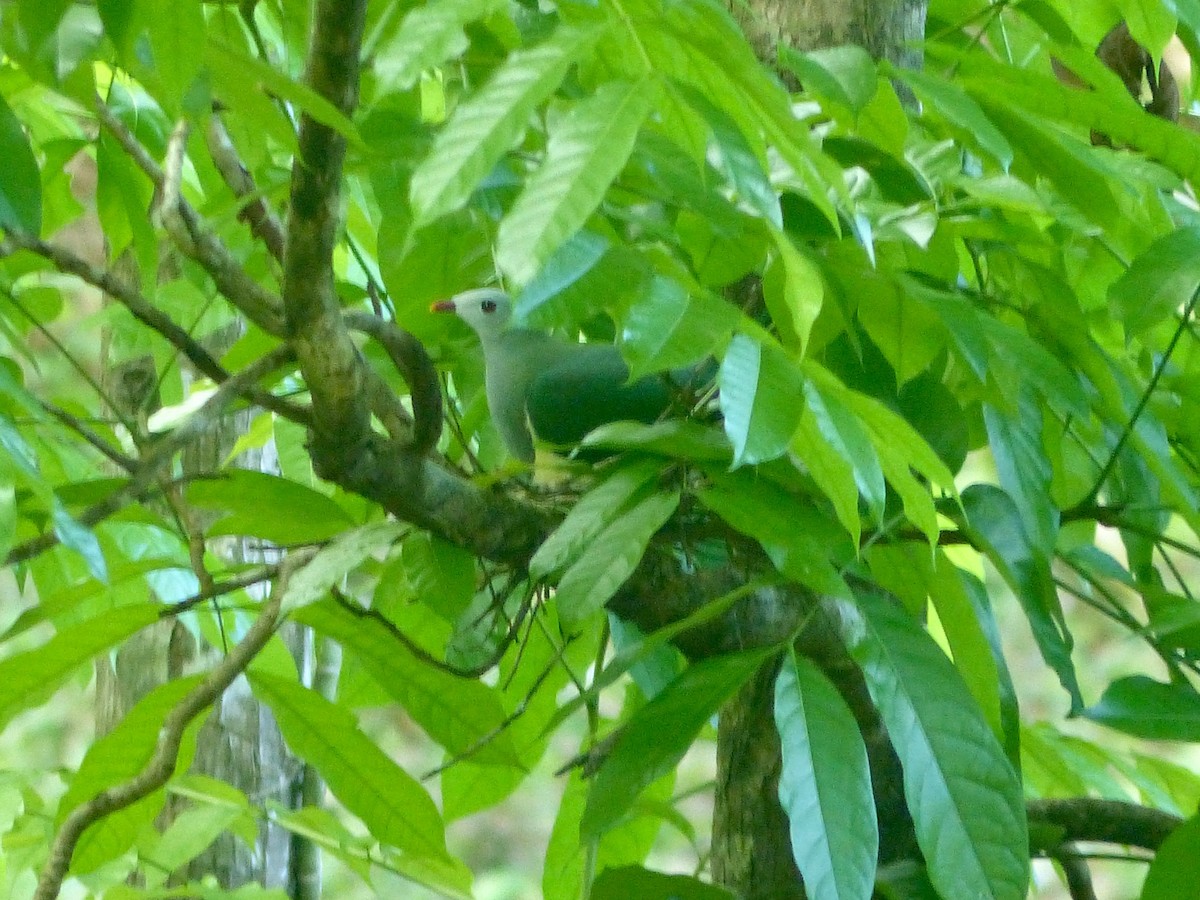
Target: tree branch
column 162, row 764
column 328, row 358
column 160, row 453
column 255, row 212
column 258, row 304
column 1106, row 821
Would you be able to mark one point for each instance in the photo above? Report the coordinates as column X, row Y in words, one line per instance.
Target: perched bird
column 561, row 389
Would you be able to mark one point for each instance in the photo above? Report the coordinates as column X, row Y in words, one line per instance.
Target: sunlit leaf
column 585, row 151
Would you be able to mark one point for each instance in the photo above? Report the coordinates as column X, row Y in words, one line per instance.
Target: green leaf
column 831, row 472
column 1175, row 870
column 79, row 538
column 673, row 438
column 962, row 114
column 1143, row 707
column 267, row 506
column 20, row 180
column 590, row 515
column 486, row 125
column 964, row 796
column 1109, row 110
column 1064, row 161
column 668, row 328
column 429, row 35
column 996, row 525
column 795, row 307
column 845, row 75
column 393, row 805
column 825, row 784
column 177, row 37
column 625, row 882
column 332, row 564
column 847, row 437
column 26, row 678
column 656, row 737
column 189, row 835
column 802, row 544
column 974, row 658
column 610, row 559
column 1162, row 279
column 1015, row 440
column 586, row 149
column 458, row 713
column 740, row 162
column 759, row 387
column 277, row 82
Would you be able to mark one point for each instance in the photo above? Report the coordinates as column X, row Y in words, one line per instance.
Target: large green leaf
column 667, row 328
column 590, row 515
column 458, row 713
column 333, row 564
column 1175, row 870
column 392, row 804
column 1015, row 439
column 1141, row 706
column 964, row 797
column 624, row 882
column 177, row 38
column 267, row 506
column 26, row 678
column 803, row 544
column 760, row 399
column 20, row 181
column 610, row 559
column 847, row 436
column 825, row 784
column 587, row 148
column 485, row 126
column 795, row 301
column 658, row 735
column 962, row 114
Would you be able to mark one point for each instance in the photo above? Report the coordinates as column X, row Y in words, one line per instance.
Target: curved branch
column 162, row 764
column 1105, row 821
column 409, row 356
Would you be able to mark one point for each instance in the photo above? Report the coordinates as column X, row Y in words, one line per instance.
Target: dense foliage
column 956, row 349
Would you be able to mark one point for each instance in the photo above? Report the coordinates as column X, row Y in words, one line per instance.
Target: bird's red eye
column 488, row 306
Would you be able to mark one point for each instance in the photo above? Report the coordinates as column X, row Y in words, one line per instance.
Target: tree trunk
column 751, row 844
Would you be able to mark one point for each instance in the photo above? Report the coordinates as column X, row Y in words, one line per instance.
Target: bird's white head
column 487, row 310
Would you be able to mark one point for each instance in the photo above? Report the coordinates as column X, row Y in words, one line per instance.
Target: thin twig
column 160, row 453
column 1151, row 386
